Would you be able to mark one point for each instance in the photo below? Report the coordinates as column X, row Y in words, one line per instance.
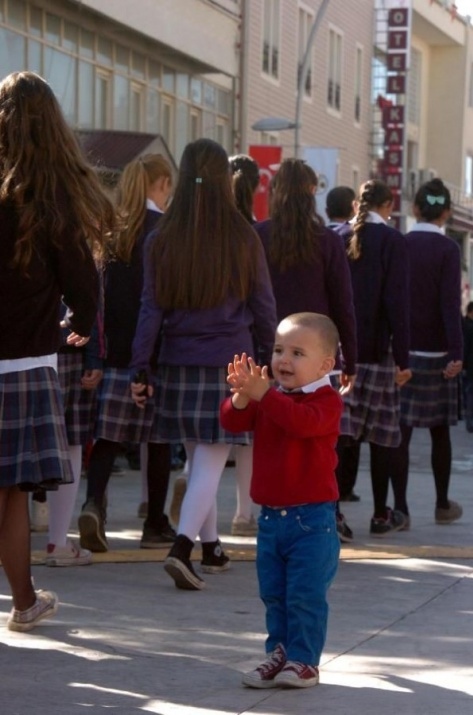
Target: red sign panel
column 397, row 39
column 394, row 137
column 393, row 116
column 396, row 84
column 398, row 17
column 396, row 61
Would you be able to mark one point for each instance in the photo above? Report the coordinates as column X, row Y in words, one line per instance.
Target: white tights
column 243, row 469
column 206, row 463
column 62, row 502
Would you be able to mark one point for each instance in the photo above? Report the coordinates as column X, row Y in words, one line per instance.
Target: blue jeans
column 297, row 559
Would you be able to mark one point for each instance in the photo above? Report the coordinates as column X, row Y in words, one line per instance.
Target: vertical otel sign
column 394, row 116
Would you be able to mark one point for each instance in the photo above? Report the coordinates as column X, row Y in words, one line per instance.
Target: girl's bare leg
column 15, row 546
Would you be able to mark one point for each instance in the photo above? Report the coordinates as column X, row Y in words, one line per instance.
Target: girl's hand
column 78, row 341
column 90, row 379
column 140, row 393
column 346, row 383
column 402, row 376
column 453, row 368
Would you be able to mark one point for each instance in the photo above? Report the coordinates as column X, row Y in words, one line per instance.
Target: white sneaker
column 46, row 605
column 39, row 516
column 68, row 555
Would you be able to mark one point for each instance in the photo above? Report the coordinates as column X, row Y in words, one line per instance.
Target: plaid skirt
column 118, row 418
column 372, row 408
column 428, row 399
column 34, row 451
column 80, row 405
column 188, row 400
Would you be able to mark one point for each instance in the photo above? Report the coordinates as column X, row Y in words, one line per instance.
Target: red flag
column 268, row 158
column 383, row 102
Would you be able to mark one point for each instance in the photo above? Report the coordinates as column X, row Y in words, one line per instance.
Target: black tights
column 380, row 463
column 441, row 461
column 101, row 462
column 381, row 459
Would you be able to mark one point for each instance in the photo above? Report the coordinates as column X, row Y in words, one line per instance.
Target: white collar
column 311, row 387
column 371, row 217
column 152, row 206
column 424, row 226
column 374, row 217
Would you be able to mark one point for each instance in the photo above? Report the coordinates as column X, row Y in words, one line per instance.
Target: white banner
column 324, row 161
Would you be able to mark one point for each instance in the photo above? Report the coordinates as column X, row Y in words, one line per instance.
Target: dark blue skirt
column 80, row 406
column 428, row 399
column 372, row 408
column 119, row 419
column 188, row 400
column 33, row 442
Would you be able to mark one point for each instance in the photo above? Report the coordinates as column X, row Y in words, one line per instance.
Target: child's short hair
column 339, row 202
column 321, row 324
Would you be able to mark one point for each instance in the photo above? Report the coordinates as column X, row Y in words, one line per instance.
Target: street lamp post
column 276, row 124
column 303, row 74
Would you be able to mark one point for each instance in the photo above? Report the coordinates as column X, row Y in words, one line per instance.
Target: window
column 305, row 24
column 195, row 125
column 120, row 102
column 356, row 180
column 469, row 175
column 86, row 95
column 102, row 100
column 222, row 134
column 12, row 51
column 358, row 82
column 414, row 87
column 334, row 88
column 152, row 112
column 271, row 21
column 182, row 128
column 271, row 138
column 60, row 70
column 167, row 122
column 137, row 99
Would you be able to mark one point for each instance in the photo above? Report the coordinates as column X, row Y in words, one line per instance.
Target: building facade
column 167, row 67
column 335, row 106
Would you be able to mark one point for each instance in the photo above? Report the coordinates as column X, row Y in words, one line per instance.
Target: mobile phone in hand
column 141, row 378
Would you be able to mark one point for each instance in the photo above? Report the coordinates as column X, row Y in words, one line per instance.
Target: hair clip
column 198, row 180
column 432, row 200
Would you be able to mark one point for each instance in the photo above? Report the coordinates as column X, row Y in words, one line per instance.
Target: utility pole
column 303, row 74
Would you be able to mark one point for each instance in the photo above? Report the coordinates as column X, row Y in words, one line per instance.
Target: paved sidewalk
column 126, row 641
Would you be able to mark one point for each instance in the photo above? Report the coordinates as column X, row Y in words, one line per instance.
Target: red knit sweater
column 295, row 434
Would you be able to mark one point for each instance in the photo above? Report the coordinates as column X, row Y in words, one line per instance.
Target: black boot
column 92, row 527
column 156, row 535
column 213, row 557
column 178, row 565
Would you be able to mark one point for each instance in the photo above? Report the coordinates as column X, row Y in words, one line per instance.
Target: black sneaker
column 92, row 527
column 214, row 559
column 181, row 570
column 350, row 497
column 345, row 534
column 154, row 538
column 394, row 521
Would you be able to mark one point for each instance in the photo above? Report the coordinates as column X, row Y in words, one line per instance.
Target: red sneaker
column 297, row 675
column 264, row 675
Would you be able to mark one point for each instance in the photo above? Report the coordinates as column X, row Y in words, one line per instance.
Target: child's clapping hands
column 247, row 380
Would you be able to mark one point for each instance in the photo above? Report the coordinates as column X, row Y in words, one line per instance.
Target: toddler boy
column 295, row 432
